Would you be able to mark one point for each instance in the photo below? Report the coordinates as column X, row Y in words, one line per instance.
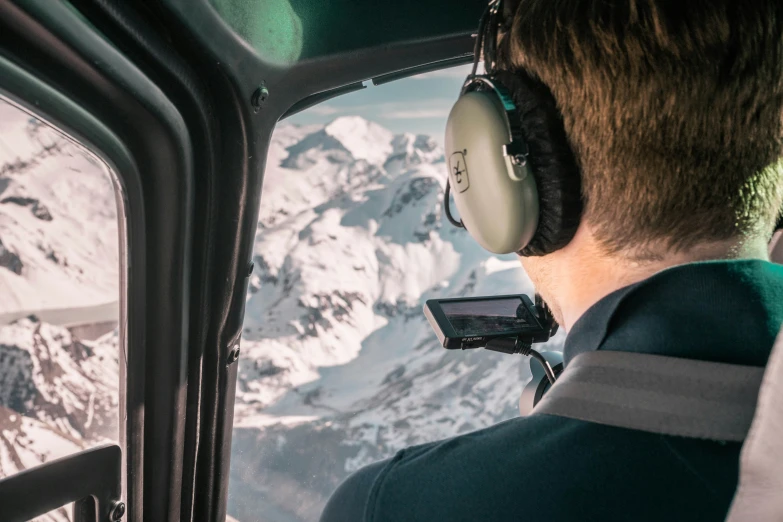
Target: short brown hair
column 673, row 108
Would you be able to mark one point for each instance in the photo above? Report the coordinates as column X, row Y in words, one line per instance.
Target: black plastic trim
column 336, row 71
column 92, row 476
column 315, row 99
column 421, row 69
column 319, row 97
column 43, row 102
column 145, row 39
column 54, row 43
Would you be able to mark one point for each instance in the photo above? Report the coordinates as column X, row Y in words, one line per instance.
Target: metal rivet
column 259, row 97
column 233, row 355
column 117, row 511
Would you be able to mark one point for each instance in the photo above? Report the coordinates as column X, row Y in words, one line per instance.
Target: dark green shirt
column 547, row 468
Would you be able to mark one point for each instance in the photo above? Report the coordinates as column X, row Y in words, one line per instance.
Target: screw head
column 233, row 355
column 259, row 97
column 520, row 160
column 117, row 511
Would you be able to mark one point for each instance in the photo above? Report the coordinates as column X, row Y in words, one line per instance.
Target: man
column 673, row 110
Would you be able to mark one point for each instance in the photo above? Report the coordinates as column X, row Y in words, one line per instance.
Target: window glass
column 339, row 366
column 59, row 291
column 61, row 514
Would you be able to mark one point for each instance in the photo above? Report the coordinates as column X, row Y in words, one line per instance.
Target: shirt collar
column 725, row 311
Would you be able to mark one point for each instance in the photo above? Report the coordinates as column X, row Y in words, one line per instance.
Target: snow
column 74, row 254
column 49, row 374
column 363, row 139
column 338, row 361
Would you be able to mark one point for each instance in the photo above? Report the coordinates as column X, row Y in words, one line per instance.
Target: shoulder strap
column 657, row 394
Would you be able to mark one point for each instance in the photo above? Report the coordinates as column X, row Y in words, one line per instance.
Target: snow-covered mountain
column 339, row 367
column 59, row 260
column 57, row 394
column 58, row 220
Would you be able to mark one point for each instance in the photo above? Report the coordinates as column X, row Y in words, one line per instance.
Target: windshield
column 339, row 366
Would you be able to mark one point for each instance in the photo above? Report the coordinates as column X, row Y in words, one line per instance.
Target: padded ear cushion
column 551, row 160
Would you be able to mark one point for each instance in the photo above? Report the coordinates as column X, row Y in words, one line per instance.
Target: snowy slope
column 58, row 221
column 339, row 366
column 58, row 396
column 58, row 261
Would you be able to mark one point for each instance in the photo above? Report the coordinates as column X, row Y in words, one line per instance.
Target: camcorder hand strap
column 657, row 394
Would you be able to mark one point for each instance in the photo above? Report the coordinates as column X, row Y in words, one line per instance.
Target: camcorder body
column 471, row 322
column 503, row 323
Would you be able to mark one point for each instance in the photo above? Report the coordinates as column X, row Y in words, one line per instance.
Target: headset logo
column 459, row 171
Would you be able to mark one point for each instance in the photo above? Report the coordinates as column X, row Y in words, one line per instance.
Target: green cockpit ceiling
column 287, row 31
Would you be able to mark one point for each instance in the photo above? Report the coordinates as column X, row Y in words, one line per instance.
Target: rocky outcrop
column 10, row 260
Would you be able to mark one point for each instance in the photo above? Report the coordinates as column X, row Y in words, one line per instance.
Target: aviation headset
column 514, row 177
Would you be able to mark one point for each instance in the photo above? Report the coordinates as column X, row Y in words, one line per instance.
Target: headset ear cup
column 551, row 161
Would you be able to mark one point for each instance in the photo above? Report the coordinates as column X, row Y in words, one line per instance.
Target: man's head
column 674, row 112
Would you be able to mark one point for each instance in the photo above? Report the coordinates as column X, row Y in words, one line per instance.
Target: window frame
column 98, row 491
column 56, row 64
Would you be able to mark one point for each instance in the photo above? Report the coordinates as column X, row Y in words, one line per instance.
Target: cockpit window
column 339, row 366
column 59, row 296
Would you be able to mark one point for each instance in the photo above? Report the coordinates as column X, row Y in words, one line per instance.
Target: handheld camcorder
column 504, row 323
column 473, row 322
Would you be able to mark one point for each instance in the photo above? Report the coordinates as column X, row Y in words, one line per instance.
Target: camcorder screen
column 487, row 317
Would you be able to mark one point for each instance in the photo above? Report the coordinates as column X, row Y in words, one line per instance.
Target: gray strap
column 657, row 394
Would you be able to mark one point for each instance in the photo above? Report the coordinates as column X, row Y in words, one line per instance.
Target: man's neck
column 594, row 274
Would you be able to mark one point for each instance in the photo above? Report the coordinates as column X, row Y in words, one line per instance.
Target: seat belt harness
column 657, row 394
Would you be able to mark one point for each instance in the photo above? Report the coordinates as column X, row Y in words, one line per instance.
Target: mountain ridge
column 339, row 366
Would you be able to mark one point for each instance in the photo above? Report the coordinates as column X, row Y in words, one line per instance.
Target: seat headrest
column 758, row 495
